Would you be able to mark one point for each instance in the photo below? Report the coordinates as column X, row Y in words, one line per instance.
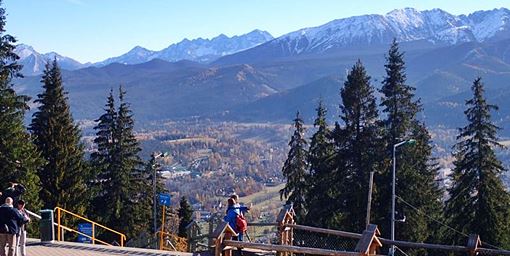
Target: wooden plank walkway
column 36, row 248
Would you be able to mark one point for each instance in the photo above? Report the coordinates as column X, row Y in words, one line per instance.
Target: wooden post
column 285, row 234
column 222, row 232
column 161, row 245
column 369, row 243
column 473, row 243
column 369, row 201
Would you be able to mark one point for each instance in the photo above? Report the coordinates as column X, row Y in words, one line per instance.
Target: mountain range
column 430, row 28
column 270, row 81
column 200, row 50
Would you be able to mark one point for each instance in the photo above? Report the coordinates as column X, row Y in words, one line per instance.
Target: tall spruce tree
column 416, row 171
column 295, row 170
column 319, row 196
column 358, row 146
column 129, row 162
column 19, row 158
column 120, row 182
column 185, row 216
column 101, row 160
column 478, row 200
column 65, row 174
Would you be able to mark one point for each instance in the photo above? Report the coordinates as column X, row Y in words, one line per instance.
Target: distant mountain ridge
column 199, row 50
column 33, row 62
column 433, row 27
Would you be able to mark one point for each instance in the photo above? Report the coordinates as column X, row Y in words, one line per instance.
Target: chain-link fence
column 402, row 251
column 305, row 238
column 265, row 233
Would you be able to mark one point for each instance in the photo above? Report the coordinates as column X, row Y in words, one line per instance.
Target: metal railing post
column 162, row 229
column 58, row 224
column 93, row 234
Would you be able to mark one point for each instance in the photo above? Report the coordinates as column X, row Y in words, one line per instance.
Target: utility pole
column 393, row 194
column 154, row 166
column 155, row 200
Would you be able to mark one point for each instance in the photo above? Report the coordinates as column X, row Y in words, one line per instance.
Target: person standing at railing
column 9, row 219
column 235, row 219
column 21, row 238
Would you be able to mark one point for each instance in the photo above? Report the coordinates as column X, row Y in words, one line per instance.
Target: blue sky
column 92, row 30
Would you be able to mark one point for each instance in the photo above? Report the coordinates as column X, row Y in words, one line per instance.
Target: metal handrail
column 59, row 238
column 162, row 246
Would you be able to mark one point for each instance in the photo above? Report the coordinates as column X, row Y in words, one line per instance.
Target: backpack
column 241, row 224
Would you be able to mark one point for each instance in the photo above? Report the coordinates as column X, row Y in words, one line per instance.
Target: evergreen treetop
column 478, row 200
column 19, row 158
column 295, row 170
column 120, row 180
column 416, row 171
column 185, row 216
column 320, row 158
column 358, row 147
column 398, row 97
column 65, row 174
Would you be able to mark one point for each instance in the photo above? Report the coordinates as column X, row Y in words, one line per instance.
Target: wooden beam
column 288, row 248
column 454, row 248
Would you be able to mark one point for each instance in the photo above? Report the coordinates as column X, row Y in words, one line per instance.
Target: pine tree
column 185, row 216
column 319, row 196
column 101, row 160
column 478, row 203
column 358, row 146
column 19, row 158
column 416, row 172
column 120, row 182
column 129, row 164
column 295, row 170
column 65, row 174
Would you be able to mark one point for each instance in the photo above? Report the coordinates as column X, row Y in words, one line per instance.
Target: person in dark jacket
column 14, row 191
column 9, row 219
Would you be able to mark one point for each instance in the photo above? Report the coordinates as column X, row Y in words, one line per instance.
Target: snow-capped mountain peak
column 200, row 49
column 23, row 50
column 33, row 62
column 435, row 26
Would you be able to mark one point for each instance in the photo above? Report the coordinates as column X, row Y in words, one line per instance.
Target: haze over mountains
column 257, row 78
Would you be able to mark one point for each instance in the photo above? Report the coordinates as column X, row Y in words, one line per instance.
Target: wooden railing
column 368, row 243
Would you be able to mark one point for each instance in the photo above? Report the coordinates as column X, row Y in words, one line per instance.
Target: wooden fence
column 368, row 243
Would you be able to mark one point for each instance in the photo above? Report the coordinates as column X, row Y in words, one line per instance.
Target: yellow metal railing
column 163, row 242
column 60, row 228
